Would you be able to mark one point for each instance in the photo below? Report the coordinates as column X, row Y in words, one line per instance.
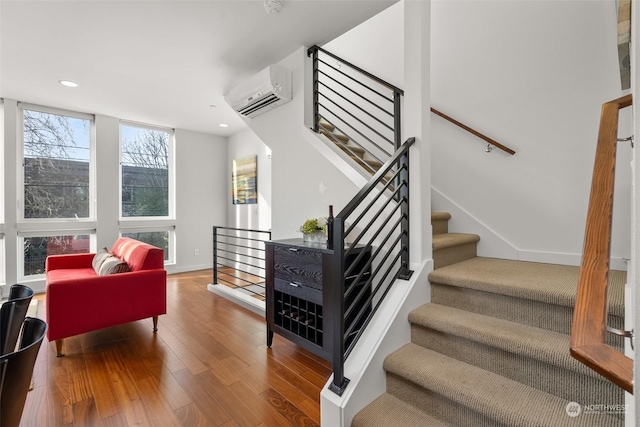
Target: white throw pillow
column 113, row 265
column 99, row 258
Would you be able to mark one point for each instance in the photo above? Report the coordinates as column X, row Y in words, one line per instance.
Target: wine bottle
column 330, row 228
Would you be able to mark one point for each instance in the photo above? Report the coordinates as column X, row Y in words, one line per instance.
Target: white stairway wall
column 532, row 75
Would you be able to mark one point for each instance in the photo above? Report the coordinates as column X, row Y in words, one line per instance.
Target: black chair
column 12, row 314
column 20, row 291
column 16, row 370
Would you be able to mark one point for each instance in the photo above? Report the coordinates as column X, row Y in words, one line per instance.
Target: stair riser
column 568, row 384
column 533, row 313
column 447, row 256
column 351, row 150
column 435, row 404
column 459, row 415
column 440, row 226
column 326, row 126
column 389, row 411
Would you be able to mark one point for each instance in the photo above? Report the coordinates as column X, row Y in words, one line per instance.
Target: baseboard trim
column 251, row 304
column 172, row 269
column 566, row 259
column 493, row 245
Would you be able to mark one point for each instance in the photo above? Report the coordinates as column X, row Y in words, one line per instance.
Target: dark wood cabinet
column 299, row 287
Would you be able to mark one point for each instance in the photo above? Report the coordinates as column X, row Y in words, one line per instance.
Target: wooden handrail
column 588, row 333
column 474, row 132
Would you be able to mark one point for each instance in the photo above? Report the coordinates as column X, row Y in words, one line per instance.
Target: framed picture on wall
column 244, row 180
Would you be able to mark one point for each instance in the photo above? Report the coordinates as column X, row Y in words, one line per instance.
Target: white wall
column 632, row 418
column 304, row 182
column 201, row 195
column 532, row 75
column 382, row 32
column 201, row 192
column 257, row 216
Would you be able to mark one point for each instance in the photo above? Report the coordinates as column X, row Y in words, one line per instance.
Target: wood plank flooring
column 208, row 365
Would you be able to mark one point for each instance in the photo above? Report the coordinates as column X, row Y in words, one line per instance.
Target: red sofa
column 79, row 300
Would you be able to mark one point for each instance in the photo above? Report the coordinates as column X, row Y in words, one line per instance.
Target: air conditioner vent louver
column 250, row 109
column 266, row 90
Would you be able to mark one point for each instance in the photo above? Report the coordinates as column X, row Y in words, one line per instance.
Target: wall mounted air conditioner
column 266, row 90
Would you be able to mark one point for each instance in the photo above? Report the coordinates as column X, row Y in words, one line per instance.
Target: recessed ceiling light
column 223, row 125
column 68, row 83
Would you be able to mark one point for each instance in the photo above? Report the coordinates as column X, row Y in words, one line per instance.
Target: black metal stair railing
column 239, row 258
column 379, row 222
column 357, row 111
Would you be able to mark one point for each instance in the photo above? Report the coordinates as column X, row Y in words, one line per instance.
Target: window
column 145, row 171
column 159, row 239
column 146, row 186
column 56, row 166
column 37, row 248
column 56, row 187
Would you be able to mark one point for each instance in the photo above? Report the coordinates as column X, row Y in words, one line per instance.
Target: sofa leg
column 155, row 323
column 59, row 348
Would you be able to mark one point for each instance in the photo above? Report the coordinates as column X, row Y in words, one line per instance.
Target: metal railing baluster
column 229, row 252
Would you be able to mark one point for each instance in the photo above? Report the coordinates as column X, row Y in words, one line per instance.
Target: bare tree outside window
column 145, row 172
column 37, row 249
column 56, row 166
column 159, row 239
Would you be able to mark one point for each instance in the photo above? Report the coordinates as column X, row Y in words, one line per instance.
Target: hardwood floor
column 208, row 365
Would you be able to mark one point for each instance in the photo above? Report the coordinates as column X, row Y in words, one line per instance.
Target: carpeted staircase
column 492, row 348
column 354, row 151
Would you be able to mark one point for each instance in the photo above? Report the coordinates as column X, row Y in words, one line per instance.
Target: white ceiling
column 157, row 61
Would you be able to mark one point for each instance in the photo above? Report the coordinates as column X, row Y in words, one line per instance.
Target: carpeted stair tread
column 388, row 411
column 493, row 396
column 334, row 137
column 370, row 169
column 376, row 164
column 448, row 240
column 440, row 222
column 323, row 124
column 440, row 216
column 547, row 283
column 351, row 149
column 535, row 343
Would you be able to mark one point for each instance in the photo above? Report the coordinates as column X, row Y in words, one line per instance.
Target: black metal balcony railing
column 239, row 259
column 355, row 109
column 379, row 221
column 361, row 114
